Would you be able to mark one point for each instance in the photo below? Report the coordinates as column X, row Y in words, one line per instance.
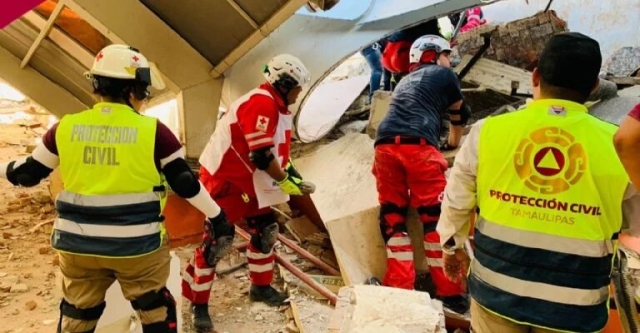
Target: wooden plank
column 343, row 312
column 301, row 228
column 496, row 75
column 296, row 316
column 358, row 246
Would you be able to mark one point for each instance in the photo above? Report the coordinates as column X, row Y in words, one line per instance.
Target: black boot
column 201, row 319
column 268, row 295
column 373, row 281
column 458, row 303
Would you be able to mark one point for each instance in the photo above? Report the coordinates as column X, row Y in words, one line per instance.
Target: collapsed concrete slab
column 375, row 309
column 517, row 43
column 326, row 104
column 342, row 172
column 347, row 200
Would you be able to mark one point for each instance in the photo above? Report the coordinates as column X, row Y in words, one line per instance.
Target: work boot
column 424, row 282
column 373, row 281
column 458, row 303
column 267, row 295
column 201, row 319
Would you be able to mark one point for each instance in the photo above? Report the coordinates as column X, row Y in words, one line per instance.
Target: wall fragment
column 517, row 43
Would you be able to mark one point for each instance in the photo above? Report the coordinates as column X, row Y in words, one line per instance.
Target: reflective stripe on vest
column 550, row 196
column 110, row 207
column 108, row 225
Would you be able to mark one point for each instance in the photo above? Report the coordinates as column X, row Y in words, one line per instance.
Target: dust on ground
column 229, row 305
column 29, row 290
column 29, row 296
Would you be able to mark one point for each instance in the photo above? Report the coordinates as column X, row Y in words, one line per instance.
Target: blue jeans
column 373, row 57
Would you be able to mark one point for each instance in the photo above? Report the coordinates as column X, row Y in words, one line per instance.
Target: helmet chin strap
column 283, row 92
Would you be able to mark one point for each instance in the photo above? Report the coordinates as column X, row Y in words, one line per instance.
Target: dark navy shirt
column 418, row 103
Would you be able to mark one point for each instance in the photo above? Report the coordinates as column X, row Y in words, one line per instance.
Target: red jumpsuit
column 251, row 123
column 409, row 171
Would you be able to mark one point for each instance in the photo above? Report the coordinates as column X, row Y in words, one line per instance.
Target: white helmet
column 288, row 68
column 428, row 42
column 119, row 61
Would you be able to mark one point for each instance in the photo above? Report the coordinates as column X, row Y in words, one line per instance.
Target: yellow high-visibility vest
column 550, row 189
column 113, row 196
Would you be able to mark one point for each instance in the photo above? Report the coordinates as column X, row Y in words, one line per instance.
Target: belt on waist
column 402, row 140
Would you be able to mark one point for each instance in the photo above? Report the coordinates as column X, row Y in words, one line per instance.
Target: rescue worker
column 109, row 225
column 552, row 197
column 373, row 56
column 409, row 168
column 246, row 168
column 395, row 49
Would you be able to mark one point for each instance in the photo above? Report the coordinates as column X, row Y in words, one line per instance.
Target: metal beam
column 43, row 33
column 270, row 25
column 244, row 14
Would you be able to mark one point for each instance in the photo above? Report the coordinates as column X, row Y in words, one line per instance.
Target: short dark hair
column 569, row 64
column 118, row 89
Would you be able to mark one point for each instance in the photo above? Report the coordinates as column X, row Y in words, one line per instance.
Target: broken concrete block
column 374, row 309
column 518, row 43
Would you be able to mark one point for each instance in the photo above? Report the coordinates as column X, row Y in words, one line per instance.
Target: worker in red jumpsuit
column 409, row 168
column 246, row 169
column 395, row 53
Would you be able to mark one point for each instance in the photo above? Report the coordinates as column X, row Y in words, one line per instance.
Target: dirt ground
column 29, row 297
column 229, row 305
column 29, row 292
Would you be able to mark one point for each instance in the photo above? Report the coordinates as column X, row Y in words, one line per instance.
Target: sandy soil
column 29, row 292
column 29, row 297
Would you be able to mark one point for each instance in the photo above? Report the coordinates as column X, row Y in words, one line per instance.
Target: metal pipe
column 333, row 298
column 304, row 253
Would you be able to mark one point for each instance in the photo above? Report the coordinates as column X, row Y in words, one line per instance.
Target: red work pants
column 411, row 175
column 198, row 278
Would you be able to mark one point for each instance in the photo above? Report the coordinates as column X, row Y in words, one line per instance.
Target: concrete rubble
column 374, row 309
column 346, row 199
column 29, row 296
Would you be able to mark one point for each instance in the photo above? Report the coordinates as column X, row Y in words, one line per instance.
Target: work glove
column 217, row 238
column 304, row 186
column 291, row 169
column 290, row 184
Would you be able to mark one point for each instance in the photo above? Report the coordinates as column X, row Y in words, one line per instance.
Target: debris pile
column 517, row 43
column 29, row 294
